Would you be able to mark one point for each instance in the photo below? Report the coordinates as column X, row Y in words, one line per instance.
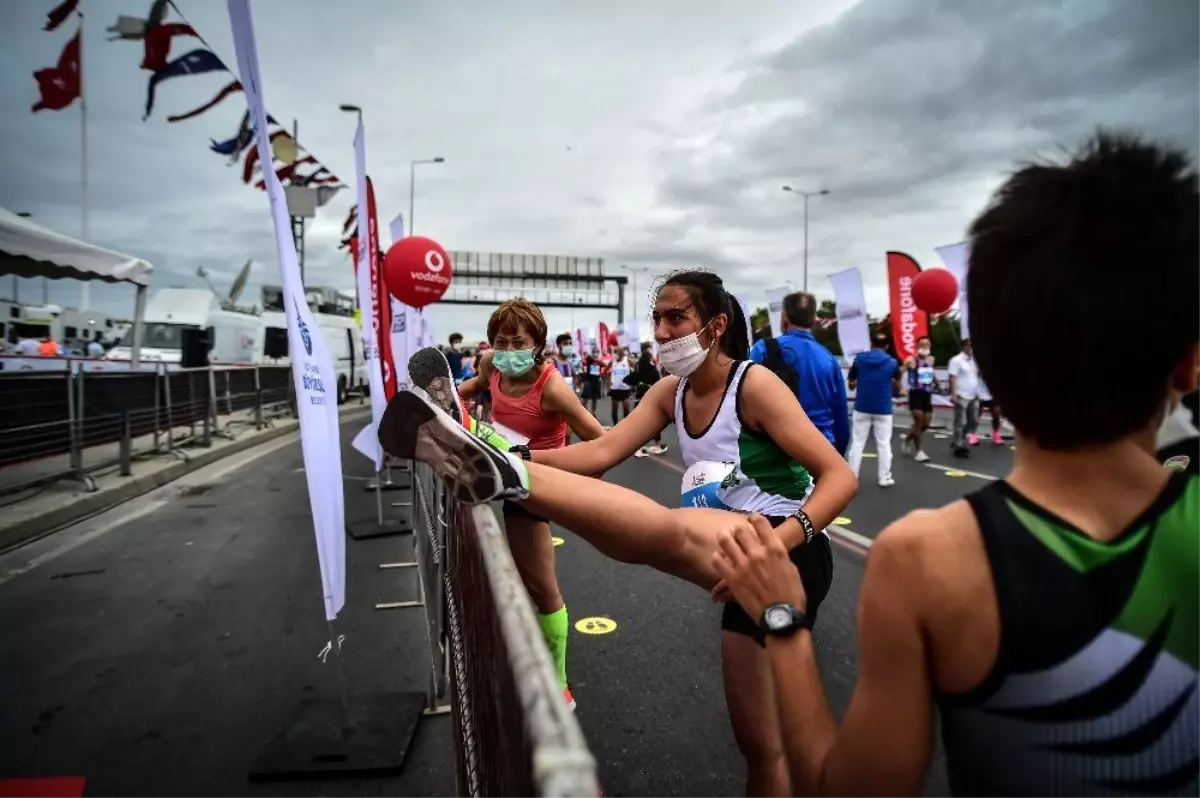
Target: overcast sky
column 651, row 133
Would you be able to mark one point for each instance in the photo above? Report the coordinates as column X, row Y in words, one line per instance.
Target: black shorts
column 618, row 394
column 512, row 508
column 987, row 404
column 814, row 561
column 591, row 388
column 920, row 400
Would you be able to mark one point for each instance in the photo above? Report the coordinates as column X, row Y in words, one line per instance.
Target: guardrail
column 70, row 422
column 513, row 733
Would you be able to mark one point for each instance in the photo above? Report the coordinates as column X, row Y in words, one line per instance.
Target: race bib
column 594, row 370
column 925, row 375
column 705, row 483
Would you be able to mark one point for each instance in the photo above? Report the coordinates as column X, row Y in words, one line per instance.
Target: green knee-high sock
column 555, row 626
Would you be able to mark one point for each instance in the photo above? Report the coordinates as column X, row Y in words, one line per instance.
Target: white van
column 342, row 337
column 235, row 336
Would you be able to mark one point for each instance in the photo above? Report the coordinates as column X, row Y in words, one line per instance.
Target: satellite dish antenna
column 239, row 283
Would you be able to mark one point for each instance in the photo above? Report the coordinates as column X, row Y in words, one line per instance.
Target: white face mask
column 683, row 356
column 923, row 352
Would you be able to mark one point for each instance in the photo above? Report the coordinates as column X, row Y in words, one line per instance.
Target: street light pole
column 635, row 271
column 806, row 195
column 412, row 187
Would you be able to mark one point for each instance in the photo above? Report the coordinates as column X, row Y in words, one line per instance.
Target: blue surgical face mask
column 568, row 350
column 513, row 363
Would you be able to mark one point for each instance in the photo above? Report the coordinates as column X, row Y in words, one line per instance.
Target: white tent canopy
column 29, row 250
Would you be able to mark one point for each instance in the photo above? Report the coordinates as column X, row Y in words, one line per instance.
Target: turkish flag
column 60, row 85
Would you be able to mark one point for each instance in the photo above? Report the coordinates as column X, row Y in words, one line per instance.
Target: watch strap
column 522, row 450
column 798, row 620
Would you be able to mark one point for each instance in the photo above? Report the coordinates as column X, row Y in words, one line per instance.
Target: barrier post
column 126, row 444
column 166, row 375
column 157, row 389
column 213, row 407
column 77, row 419
column 258, row 400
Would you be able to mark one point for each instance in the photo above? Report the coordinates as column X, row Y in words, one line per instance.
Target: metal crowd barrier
column 71, row 422
column 513, row 734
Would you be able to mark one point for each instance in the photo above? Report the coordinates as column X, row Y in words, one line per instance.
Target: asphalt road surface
column 155, row 649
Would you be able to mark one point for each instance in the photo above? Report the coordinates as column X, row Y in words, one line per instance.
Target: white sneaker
column 921, row 457
column 907, row 445
column 641, row 452
column 660, row 449
column 886, row 481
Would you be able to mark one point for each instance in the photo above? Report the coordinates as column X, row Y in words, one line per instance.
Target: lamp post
column 412, row 186
column 806, row 195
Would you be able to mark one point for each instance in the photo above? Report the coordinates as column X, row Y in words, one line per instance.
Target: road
column 156, row 648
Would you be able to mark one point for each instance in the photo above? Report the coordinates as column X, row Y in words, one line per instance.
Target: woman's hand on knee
column 753, row 561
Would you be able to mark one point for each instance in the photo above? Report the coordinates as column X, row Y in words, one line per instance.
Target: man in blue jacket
column 819, row 384
column 875, row 375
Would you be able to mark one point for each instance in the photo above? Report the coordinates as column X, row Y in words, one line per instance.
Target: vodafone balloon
column 417, row 271
column 935, row 290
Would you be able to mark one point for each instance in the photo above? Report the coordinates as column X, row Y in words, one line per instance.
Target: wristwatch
column 784, row 620
column 806, row 524
column 522, row 450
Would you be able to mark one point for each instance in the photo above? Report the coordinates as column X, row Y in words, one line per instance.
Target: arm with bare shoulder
column 478, row 383
column 558, row 398
column 649, row 418
column 884, row 743
column 769, row 406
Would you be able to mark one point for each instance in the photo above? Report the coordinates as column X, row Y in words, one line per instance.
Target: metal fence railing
column 513, row 733
column 74, row 421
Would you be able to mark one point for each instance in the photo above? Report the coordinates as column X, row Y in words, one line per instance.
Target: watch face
column 778, row 617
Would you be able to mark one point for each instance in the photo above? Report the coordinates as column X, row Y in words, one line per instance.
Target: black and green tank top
column 1094, row 689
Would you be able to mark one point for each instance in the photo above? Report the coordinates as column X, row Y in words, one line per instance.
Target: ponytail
column 736, row 341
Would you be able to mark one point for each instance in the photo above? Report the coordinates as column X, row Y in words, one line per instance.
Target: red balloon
column 417, row 271
column 935, row 290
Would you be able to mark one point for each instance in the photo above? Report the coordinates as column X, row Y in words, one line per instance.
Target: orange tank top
column 524, row 415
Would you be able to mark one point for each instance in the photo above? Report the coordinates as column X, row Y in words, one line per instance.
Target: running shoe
column 886, row 481
column 973, row 439
column 641, row 452
column 659, row 449
column 996, row 439
column 921, row 457
column 570, row 699
column 474, row 471
column 430, row 371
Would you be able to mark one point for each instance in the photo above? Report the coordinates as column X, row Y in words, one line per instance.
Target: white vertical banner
column 397, row 228
column 367, row 441
column 632, row 333
column 312, row 369
column 957, row 257
column 854, row 334
column 406, row 327
column 775, row 308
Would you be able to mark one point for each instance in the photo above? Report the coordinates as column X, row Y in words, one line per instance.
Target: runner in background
column 1051, row 617
column 455, row 357
column 483, row 399
column 530, row 399
column 564, row 351
column 874, row 375
column 645, row 375
column 922, row 382
column 987, row 402
column 592, row 372
column 619, row 390
column 964, row 396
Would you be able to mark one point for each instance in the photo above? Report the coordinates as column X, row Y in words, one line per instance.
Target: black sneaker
column 474, row 471
column 430, row 371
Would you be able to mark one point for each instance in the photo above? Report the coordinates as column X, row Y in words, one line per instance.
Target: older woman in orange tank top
column 531, row 399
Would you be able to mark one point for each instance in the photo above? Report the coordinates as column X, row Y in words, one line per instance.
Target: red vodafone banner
column 383, row 307
column 604, row 336
column 908, row 321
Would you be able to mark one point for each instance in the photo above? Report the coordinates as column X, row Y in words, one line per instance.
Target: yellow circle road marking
column 557, row 541
column 956, row 473
column 595, row 626
column 1012, row 448
column 941, row 436
column 869, row 454
column 842, row 520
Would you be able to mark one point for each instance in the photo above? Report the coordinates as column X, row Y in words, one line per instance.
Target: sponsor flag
column 368, row 298
column 908, row 321
column 957, row 257
column 775, row 308
column 853, row 332
column 312, row 368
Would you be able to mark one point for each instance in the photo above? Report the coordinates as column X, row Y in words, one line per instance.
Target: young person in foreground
column 1050, row 618
column 531, row 399
column 748, row 446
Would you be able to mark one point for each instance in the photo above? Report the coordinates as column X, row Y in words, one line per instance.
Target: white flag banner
column 397, row 228
column 854, row 334
column 631, row 333
column 312, row 369
column 957, row 257
column 426, row 330
column 406, row 339
column 367, row 300
column 775, row 308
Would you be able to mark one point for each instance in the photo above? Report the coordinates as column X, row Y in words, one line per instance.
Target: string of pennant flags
column 60, row 85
